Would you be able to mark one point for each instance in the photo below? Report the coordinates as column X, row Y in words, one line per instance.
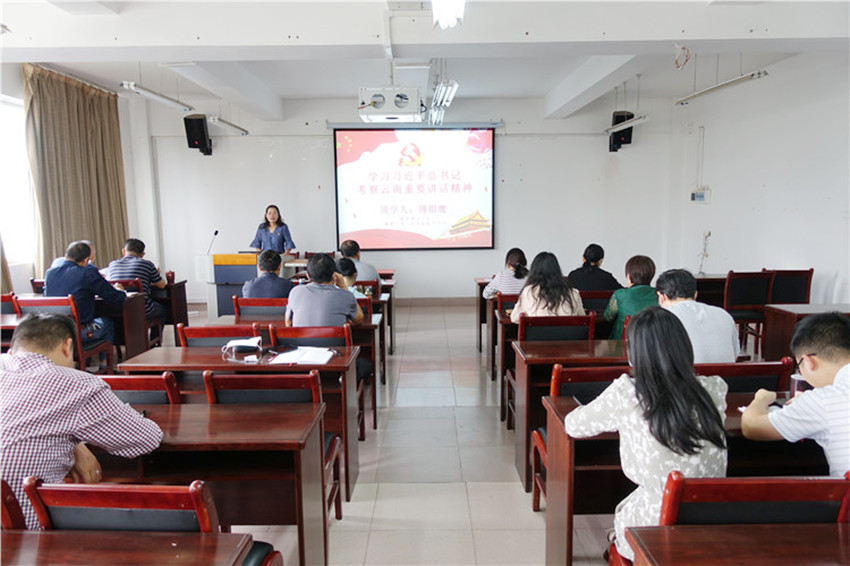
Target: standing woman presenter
column 273, row 234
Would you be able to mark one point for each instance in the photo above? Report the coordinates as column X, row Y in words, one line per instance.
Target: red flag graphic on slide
column 351, row 144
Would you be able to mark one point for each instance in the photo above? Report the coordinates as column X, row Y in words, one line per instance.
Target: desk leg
column 391, row 324
column 312, row 519
column 522, row 434
column 480, row 303
column 491, row 339
column 341, row 419
column 559, row 493
column 382, row 342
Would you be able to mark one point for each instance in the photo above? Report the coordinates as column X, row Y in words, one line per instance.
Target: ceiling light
column 227, row 125
column 153, row 95
column 639, row 119
column 444, row 93
column 447, row 13
column 730, row 82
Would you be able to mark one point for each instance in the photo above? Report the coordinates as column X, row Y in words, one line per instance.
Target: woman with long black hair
column 547, row 292
column 668, row 418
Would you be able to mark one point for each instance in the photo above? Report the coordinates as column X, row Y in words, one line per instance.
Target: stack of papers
column 306, row 355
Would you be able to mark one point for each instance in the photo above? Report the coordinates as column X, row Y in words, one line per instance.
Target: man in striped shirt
column 133, row 265
column 48, row 409
column 821, row 348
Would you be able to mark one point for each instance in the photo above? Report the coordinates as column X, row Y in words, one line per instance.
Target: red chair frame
column 165, row 382
column 136, row 284
column 782, row 369
column 239, row 302
column 790, row 273
column 186, row 333
column 744, row 330
column 11, row 516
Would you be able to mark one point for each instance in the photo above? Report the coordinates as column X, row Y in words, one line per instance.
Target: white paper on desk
column 306, row 355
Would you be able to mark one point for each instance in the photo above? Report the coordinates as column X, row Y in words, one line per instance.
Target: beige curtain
column 74, row 148
column 5, row 278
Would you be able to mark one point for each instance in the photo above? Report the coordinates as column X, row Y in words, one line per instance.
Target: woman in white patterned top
column 668, row 418
column 512, row 278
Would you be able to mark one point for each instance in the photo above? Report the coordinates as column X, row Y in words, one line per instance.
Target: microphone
column 211, row 241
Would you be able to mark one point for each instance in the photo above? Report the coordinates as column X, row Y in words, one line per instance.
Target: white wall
column 776, row 157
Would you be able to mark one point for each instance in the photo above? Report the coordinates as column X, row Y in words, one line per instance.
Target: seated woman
column 348, row 270
column 547, row 292
column 511, row 279
column 590, row 276
column 635, row 297
column 668, row 418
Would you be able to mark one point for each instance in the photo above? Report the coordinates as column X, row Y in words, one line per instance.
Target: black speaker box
column 623, row 137
column 197, row 134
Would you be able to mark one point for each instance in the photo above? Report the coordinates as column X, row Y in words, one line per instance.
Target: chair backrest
column 584, row 383
column 747, row 290
column 791, row 286
column 199, row 336
column 53, row 305
column 6, row 304
column 308, row 255
column 506, row 300
column 750, row 377
column 259, row 307
column 371, row 287
column 134, row 284
column 123, row 507
column 37, row 285
column 319, row 336
column 595, row 301
column 365, row 305
column 280, row 388
column 710, row 501
column 145, row 389
column 533, row 328
column 11, row 516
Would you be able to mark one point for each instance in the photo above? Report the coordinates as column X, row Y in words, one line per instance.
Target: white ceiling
column 258, row 55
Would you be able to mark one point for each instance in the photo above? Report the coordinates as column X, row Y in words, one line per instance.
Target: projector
column 390, row 104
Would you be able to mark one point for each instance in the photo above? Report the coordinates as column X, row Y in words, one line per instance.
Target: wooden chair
column 135, row 285
column 747, row 500
column 259, row 307
column 282, row 388
column 750, row 377
column 11, row 516
column 626, row 321
column 506, row 301
column 37, row 285
column 66, row 306
column 111, row 507
column 6, row 304
column 308, row 255
column 365, row 305
column 534, row 328
column 744, row 298
column 322, row 337
column 595, row 301
column 791, row 286
column 371, row 288
column 146, row 389
column 200, row 336
column 585, row 384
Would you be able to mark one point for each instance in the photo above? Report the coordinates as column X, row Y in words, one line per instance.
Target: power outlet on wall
column 701, row 195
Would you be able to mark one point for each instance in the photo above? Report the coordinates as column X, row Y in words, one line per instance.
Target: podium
column 226, row 273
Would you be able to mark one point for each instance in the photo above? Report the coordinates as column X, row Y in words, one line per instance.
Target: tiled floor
column 437, row 481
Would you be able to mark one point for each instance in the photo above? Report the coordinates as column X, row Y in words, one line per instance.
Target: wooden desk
column 491, row 332
column 173, row 298
column 384, row 303
column 481, row 311
column 779, row 322
column 584, row 475
column 725, row 545
column 711, row 288
column 339, row 387
column 94, row 548
column 534, row 361
column 387, row 287
column 505, row 334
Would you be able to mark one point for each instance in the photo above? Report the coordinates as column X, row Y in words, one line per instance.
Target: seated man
column 365, row 271
column 48, row 409
column 269, row 284
column 821, row 347
column 74, row 277
column 712, row 330
column 133, row 265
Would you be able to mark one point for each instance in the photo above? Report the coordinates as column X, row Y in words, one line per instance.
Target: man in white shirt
column 711, row 329
column 365, row 271
column 821, row 347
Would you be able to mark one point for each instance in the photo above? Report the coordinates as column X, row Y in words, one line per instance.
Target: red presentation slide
column 415, row 189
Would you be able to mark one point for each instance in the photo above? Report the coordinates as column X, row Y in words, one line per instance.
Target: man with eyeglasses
column 821, row 347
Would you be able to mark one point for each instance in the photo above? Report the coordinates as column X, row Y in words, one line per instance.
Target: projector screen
column 415, row 189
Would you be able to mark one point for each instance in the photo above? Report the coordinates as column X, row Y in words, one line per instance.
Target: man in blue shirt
column 73, row 277
column 269, row 284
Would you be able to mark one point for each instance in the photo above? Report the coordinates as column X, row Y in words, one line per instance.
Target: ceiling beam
column 592, row 79
column 87, row 7
column 232, row 82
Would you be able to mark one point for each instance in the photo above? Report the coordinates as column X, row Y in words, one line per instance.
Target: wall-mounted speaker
column 197, row 134
column 623, row 137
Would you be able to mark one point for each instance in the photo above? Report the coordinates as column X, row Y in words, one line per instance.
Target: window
column 17, row 213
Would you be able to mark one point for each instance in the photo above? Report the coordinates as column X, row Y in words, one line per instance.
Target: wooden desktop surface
column 340, row 396
column 95, row 548
column 584, row 475
column 725, row 545
column 249, row 455
column 534, row 361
